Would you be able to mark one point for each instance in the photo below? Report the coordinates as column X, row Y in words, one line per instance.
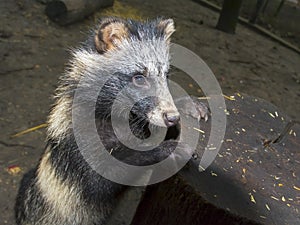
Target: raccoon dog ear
column 167, row 26
column 110, row 33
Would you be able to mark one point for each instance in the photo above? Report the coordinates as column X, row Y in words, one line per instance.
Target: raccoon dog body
column 63, row 188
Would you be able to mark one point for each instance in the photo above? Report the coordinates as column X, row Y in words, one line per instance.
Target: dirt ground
column 33, row 52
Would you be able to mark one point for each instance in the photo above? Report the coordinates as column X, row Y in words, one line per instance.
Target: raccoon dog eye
column 140, row 81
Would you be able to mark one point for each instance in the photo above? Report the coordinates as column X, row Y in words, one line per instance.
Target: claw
column 202, row 110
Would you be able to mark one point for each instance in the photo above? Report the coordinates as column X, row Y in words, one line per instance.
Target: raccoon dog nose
column 171, row 119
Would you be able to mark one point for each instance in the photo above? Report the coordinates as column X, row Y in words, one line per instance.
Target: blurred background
column 260, row 58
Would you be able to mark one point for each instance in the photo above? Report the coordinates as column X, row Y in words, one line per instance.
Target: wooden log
column 229, row 16
column 255, row 14
column 253, row 180
column 65, row 12
column 44, row 1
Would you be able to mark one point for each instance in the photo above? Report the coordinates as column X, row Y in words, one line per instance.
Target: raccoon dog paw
column 194, row 108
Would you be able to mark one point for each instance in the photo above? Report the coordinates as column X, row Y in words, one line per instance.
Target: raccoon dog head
column 135, row 56
column 125, row 62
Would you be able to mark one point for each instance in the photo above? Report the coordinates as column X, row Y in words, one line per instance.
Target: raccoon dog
column 63, row 188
